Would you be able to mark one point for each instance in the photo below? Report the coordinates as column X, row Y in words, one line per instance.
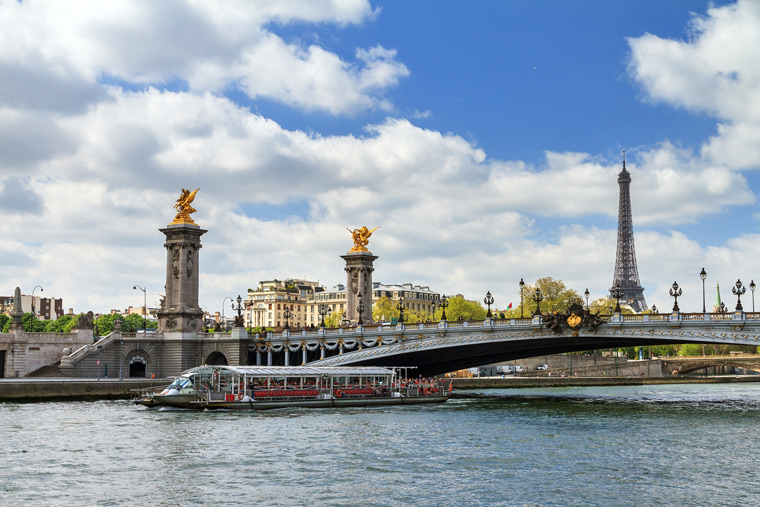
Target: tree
column 461, row 309
column 384, row 310
column 4, row 319
column 333, row 320
column 556, row 297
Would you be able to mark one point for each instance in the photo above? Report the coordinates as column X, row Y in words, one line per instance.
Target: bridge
column 433, row 348
column 691, row 364
column 436, row 348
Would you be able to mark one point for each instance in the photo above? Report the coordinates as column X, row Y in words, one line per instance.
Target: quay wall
column 51, row 389
column 533, row 382
column 27, row 352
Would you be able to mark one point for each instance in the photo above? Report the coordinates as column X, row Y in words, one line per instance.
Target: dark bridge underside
column 431, row 362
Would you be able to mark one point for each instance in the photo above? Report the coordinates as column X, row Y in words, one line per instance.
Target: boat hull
column 175, row 401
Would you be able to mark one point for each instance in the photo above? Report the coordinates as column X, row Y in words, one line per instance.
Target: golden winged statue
column 361, row 238
column 183, row 207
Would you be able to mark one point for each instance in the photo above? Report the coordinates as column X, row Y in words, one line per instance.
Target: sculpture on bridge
column 576, row 318
column 361, row 238
column 183, row 207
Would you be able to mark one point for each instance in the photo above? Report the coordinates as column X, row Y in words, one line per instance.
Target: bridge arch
column 216, row 358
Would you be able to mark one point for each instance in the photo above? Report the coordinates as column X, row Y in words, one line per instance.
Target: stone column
column 359, row 281
column 180, row 311
column 17, row 313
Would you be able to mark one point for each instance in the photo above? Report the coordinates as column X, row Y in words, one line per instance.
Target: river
column 637, row 445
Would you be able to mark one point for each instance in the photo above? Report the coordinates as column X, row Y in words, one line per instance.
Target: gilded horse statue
column 361, row 238
column 183, row 207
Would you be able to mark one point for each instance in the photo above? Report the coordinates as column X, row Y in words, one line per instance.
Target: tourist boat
column 267, row 387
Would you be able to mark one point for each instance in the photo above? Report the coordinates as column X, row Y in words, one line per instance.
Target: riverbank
column 72, row 389
column 534, row 382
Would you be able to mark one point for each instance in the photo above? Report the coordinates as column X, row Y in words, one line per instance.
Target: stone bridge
column 448, row 346
column 691, row 364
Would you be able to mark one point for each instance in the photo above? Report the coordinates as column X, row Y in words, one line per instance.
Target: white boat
column 267, row 387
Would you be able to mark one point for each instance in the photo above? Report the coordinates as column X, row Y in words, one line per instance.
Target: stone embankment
column 56, row 389
column 533, row 382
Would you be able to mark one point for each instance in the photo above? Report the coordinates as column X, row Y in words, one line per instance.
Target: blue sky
column 484, row 138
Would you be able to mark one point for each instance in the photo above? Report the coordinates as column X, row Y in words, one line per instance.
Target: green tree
column 556, row 296
column 461, row 309
column 4, row 319
column 333, row 320
column 384, row 310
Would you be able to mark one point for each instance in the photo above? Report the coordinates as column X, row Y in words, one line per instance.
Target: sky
column 484, row 138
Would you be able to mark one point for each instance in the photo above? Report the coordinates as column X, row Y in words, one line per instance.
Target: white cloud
column 715, row 72
column 54, row 53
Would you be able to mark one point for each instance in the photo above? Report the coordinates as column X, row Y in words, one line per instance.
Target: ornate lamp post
column 617, row 293
column 323, row 310
column 444, row 305
column 488, row 300
column 145, row 303
column 675, row 291
column 360, row 309
column 537, row 297
column 522, row 287
column 752, row 288
column 239, row 310
column 35, row 288
column 400, row 306
column 703, row 275
column 434, row 311
column 587, row 294
column 654, row 309
column 287, row 315
column 738, row 290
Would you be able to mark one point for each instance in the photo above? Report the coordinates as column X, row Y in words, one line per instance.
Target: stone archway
column 138, row 367
column 216, row 358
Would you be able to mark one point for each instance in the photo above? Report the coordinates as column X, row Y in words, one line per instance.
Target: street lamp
column 617, row 293
column 444, row 305
column 675, row 291
column 35, row 288
column 537, row 297
column 145, row 303
column 488, row 300
column 239, row 310
column 323, row 310
column 703, row 275
column 287, row 315
column 522, row 286
column 738, row 290
column 752, row 288
column 654, row 309
column 400, row 306
column 587, row 294
column 360, row 309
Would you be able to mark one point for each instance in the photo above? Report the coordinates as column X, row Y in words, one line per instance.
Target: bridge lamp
column 287, row 315
column 617, row 293
column 675, row 291
column 752, row 288
column 360, row 309
column 738, row 290
column 537, row 297
column 35, row 288
column 703, row 275
column 654, row 309
column 444, row 305
column 488, row 300
column 145, row 304
column 400, row 306
column 522, row 286
column 323, row 310
column 587, row 294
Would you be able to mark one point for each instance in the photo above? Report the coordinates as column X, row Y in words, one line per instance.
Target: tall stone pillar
column 180, row 311
column 359, row 281
column 17, row 313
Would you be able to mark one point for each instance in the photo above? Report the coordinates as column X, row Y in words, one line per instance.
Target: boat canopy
column 295, row 371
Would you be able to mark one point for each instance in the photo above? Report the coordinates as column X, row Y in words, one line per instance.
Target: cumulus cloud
column 54, row 54
column 715, row 72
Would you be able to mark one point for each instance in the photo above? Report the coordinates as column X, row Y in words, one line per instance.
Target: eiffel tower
column 626, row 272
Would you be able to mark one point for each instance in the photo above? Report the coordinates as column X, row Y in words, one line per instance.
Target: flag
column 510, row 306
